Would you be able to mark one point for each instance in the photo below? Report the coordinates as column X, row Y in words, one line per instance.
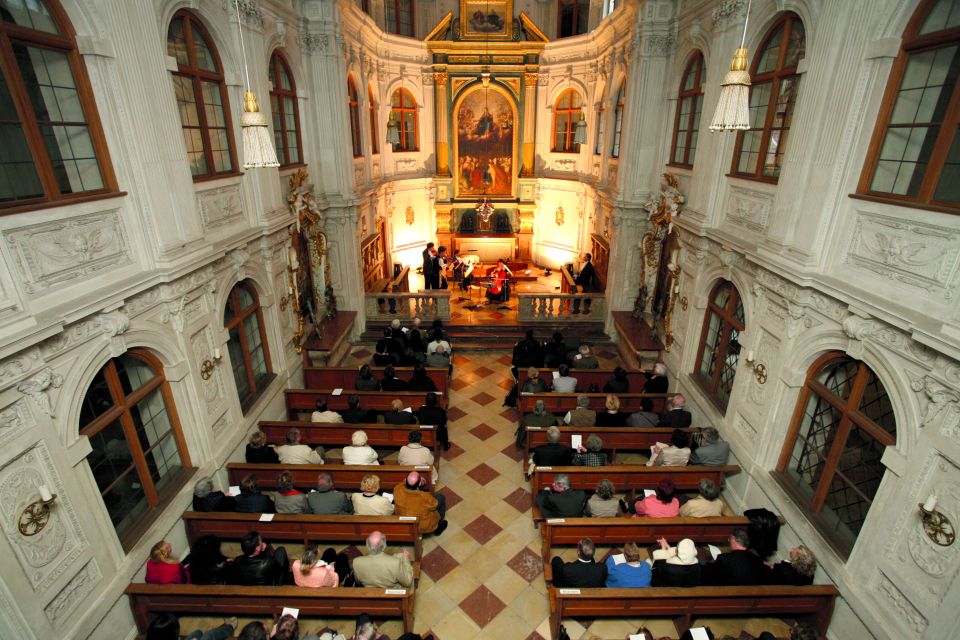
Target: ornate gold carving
column 530, row 79
column 440, row 78
column 464, row 59
column 559, row 216
column 410, row 215
column 508, row 59
column 443, row 220
column 526, row 220
column 459, row 82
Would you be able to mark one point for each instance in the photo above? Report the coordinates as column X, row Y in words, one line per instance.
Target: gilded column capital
column 530, row 79
column 440, row 78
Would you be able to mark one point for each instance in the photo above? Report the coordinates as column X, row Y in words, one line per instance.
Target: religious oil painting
column 481, row 20
column 485, row 144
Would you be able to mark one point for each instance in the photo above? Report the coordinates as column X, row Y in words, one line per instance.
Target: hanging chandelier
column 733, row 108
column 258, row 151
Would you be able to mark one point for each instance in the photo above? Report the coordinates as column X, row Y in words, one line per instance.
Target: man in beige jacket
column 414, row 454
column 381, row 569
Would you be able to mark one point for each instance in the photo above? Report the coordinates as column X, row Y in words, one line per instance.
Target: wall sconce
column 284, row 301
column 207, row 366
column 936, row 525
column 759, row 370
column 36, row 515
column 393, row 132
column 684, row 303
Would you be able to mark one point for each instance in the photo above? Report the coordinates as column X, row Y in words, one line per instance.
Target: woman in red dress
column 163, row 568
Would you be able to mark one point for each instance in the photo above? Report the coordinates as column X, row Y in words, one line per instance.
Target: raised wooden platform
column 331, row 345
column 638, row 347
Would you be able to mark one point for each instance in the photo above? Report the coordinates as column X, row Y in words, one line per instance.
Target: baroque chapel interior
column 213, row 212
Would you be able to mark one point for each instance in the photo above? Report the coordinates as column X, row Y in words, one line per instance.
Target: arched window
column 286, row 114
column 201, row 97
column 759, row 150
column 914, row 157
column 51, row 145
column 573, row 16
column 686, row 124
column 249, row 353
column 138, row 456
column 566, row 114
column 618, row 122
column 719, row 351
column 830, row 461
column 354, row 104
column 372, row 108
column 399, row 17
column 404, row 114
column 598, row 144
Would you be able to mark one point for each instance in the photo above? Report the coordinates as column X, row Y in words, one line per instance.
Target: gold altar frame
column 502, row 8
column 455, row 166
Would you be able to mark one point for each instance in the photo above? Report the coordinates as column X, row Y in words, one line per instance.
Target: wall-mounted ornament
column 559, row 216
column 410, row 215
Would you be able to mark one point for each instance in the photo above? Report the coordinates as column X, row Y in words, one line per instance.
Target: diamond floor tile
column 527, row 564
column 482, row 606
column 483, row 398
column 483, row 529
column 453, row 499
column 455, row 413
column 483, row 431
column 521, row 499
column 437, row 564
column 482, row 474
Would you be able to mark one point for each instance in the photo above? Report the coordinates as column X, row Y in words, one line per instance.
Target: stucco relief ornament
column 559, row 216
column 302, row 201
column 662, row 211
column 37, row 386
column 410, row 216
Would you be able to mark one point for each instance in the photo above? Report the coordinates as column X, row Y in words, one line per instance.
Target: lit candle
column 216, row 354
column 45, row 494
column 929, row 505
column 749, row 356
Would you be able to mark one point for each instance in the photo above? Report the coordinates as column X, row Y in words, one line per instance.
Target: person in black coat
column 553, row 454
column 619, row 382
column 677, row 417
column 737, row 567
column 259, row 452
column 250, row 499
column 207, row 563
column 391, row 382
column 420, row 381
column 587, row 281
column 583, row 573
column 798, row 571
column 354, row 414
column 658, row 382
column 432, row 413
column 555, row 351
column 527, row 353
column 560, row 501
column 260, row 563
column 428, row 266
column 365, row 380
column 397, row 414
column 207, row 500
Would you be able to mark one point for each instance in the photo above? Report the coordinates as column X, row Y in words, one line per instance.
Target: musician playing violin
column 499, row 284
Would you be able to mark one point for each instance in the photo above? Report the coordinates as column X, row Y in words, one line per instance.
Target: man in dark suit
column 658, row 382
column 428, row 266
column 587, row 281
column 583, row 573
column 677, row 417
column 527, row 353
column 737, row 567
column 354, row 414
column 553, row 454
column 391, row 382
column 560, row 501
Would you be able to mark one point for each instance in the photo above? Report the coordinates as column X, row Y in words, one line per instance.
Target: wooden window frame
column 728, row 322
column 195, row 74
column 695, row 64
column 397, row 112
column 850, row 415
column 912, row 43
column 372, row 110
column 65, row 43
column 576, row 18
column 278, row 65
column 395, row 27
column 120, row 411
column 569, row 146
column 618, row 121
column 353, row 104
column 241, row 314
column 598, row 143
column 776, row 78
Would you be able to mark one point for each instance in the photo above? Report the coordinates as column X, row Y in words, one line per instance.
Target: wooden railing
column 427, row 305
column 550, row 307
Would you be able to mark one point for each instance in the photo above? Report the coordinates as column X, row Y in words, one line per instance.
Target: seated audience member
column 391, row 344
column 583, row 573
column 662, row 504
column 584, row 359
column 259, row 452
column 383, row 356
column 365, row 380
column 399, row 333
column 292, row 452
column 591, row 455
column 534, row 383
column 714, row 452
column 631, row 573
column 417, row 329
column 416, row 349
column 432, row 413
column 253, row 631
column 414, row 498
column 658, row 382
column 764, row 531
column 288, row 499
column 564, row 383
column 163, row 568
column 390, row 380
column 612, row 416
column 798, row 570
column 414, row 453
column 603, row 504
column 358, row 452
column 560, row 501
column 310, row 570
column 803, row 632
column 645, row 417
column 166, row 626
column 705, row 505
column 251, row 500
column 527, row 353
column 437, row 329
column 555, row 351
column 737, row 567
column 208, row 565
column 553, row 454
column 439, row 359
column 288, row 628
column 437, row 340
column 675, row 454
column 368, row 502
column 398, row 414
column 539, row 417
column 381, row 569
column 676, row 566
column 207, row 500
column 583, row 415
column 354, row 414
column 677, row 417
column 322, row 414
column 420, row 381
column 619, row 383
column 326, row 500
column 259, row 563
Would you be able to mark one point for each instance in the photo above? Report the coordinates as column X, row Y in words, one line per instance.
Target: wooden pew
column 345, row 377
column 809, row 604
column 586, row 377
column 148, row 600
column 560, row 403
column 614, row 438
column 338, row 434
column 618, row 531
column 304, row 401
column 345, row 477
column 306, row 528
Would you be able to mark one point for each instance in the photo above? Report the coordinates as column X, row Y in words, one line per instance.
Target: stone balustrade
column 550, row 307
column 426, row 305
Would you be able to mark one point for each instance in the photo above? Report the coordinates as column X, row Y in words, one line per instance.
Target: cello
column 501, row 276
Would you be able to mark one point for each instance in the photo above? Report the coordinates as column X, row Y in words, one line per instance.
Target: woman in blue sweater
column 632, row 573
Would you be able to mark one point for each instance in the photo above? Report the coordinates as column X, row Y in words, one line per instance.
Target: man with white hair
column 292, row 452
column 381, row 569
column 677, row 417
column 560, row 501
column 658, row 382
column 583, row 415
column 584, row 359
column 714, row 452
